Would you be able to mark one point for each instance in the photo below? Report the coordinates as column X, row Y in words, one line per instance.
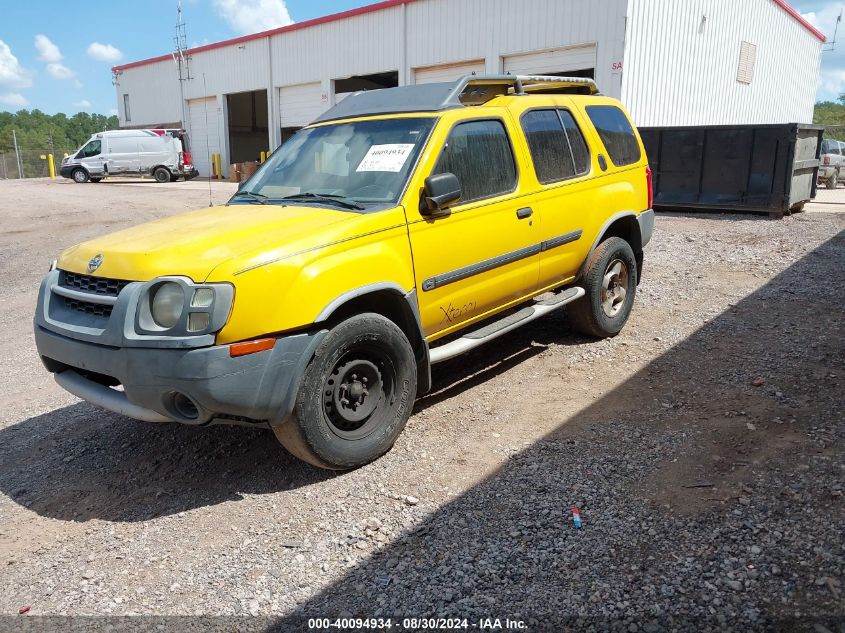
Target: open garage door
column 447, row 72
column 247, row 118
column 206, row 120
column 575, row 60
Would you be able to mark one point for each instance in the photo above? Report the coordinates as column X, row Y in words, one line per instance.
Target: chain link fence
column 835, row 132
column 33, row 163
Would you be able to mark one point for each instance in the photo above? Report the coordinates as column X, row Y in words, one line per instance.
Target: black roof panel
column 466, row 91
column 417, row 98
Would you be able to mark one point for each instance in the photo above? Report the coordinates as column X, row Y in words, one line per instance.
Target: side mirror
column 441, row 192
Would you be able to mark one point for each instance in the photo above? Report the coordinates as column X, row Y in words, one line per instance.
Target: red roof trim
column 378, row 6
column 783, row 5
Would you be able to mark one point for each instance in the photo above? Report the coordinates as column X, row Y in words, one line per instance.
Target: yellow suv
column 402, row 228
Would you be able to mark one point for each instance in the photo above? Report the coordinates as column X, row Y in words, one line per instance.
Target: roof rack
column 469, row 90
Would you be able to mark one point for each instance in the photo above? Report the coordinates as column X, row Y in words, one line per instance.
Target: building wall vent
column 747, row 59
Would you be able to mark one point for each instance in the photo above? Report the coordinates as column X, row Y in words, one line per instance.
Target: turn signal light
column 251, row 347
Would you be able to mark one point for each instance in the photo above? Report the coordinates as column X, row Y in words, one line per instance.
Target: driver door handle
column 525, row 212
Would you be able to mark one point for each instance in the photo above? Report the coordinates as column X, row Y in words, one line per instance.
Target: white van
column 131, row 152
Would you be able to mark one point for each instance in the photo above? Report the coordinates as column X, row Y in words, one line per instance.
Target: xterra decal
column 454, row 314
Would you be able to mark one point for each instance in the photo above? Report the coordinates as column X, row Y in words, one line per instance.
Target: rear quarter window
column 558, row 149
column 616, row 133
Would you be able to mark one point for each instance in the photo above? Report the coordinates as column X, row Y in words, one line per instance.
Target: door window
column 90, row 149
column 616, row 133
column 479, row 153
column 558, row 149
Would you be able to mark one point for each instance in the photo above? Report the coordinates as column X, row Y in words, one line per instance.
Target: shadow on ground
column 80, row 462
column 709, row 483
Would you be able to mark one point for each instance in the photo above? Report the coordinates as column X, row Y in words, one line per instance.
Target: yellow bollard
column 51, row 166
column 213, row 167
column 220, row 166
column 263, row 158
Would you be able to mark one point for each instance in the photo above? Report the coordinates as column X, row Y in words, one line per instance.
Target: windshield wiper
column 343, row 201
column 260, row 198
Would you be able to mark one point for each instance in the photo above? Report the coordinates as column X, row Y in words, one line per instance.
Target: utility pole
column 183, row 61
column 17, row 155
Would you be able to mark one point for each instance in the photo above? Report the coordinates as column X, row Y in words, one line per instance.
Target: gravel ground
column 703, row 446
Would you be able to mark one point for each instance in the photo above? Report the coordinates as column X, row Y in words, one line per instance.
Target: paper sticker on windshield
column 390, row 157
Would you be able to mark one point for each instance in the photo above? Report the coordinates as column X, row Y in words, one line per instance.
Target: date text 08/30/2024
column 416, row 624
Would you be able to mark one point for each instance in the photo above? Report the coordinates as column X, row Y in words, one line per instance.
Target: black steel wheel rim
column 358, row 388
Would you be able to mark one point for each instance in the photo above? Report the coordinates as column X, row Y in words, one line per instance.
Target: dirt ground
column 704, row 446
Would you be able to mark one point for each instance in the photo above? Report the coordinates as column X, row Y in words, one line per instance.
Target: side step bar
column 476, row 338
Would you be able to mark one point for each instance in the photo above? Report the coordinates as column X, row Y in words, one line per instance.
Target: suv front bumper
column 186, row 379
column 826, row 171
column 256, row 388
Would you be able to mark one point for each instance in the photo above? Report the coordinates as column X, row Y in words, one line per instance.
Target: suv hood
column 193, row 244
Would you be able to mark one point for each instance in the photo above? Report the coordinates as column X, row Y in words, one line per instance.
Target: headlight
column 167, row 304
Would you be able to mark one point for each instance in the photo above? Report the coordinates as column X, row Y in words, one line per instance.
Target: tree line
column 36, row 130
column 831, row 113
column 39, row 131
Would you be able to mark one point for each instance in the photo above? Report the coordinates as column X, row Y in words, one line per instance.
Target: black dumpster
column 746, row 168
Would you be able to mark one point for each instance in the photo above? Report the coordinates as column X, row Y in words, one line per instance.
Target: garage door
column 206, row 121
column 554, row 62
column 301, row 104
column 447, row 72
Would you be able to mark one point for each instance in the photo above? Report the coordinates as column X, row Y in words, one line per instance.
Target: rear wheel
column 355, row 397
column 610, row 283
column 79, row 175
column 161, row 174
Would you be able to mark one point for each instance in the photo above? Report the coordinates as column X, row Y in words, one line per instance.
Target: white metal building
column 672, row 62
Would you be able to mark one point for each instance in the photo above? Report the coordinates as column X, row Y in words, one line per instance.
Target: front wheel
column 79, row 175
column 355, row 397
column 610, row 283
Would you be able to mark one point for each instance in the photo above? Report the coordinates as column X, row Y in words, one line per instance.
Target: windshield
column 361, row 165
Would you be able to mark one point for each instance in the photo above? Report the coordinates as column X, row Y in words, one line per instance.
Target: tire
column 161, row 174
column 831, row 182
column 610, row 275
column 79, row 175
column 96, row 179
column 360, row 352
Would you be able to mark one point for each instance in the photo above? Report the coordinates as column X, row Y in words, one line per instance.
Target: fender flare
column 410, row 297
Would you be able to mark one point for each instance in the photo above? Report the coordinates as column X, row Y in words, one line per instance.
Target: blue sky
column 61, row 62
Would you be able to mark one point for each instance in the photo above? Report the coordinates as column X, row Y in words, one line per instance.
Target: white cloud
column 84, row 104
column 11, row 72
column 113, row 112
column 13, row 99
column 60, row 71
column 832, row 79
column 104, row 52
column 47, row 51
column 252, row 16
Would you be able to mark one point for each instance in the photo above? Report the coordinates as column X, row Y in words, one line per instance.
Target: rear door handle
column 525, row 212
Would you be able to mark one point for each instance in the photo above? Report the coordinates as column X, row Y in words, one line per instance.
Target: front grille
column 97, row 309
column 94, row 285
